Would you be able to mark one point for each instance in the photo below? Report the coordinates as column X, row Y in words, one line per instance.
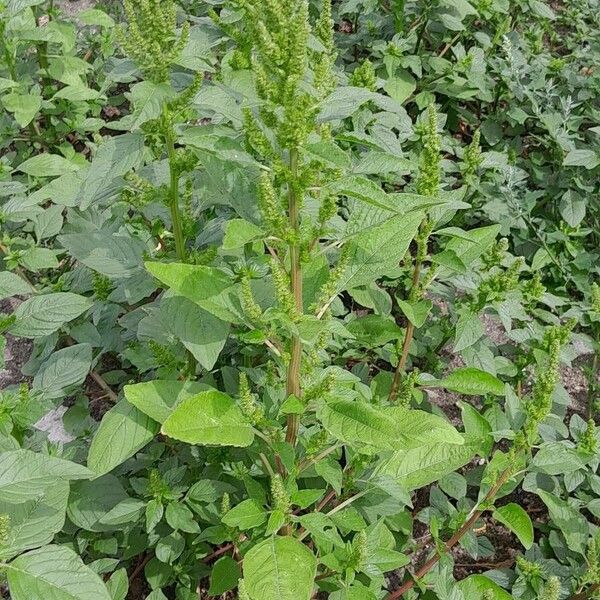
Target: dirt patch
column 16, row 353
column 71, row 8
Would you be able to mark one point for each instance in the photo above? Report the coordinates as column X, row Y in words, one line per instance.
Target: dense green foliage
column 305, row 276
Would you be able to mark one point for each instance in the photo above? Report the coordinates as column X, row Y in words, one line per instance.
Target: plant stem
column 466, row 527
column 410, row 330
column 174, row 187
column 592, row 386
column 293, row 373
column 587, row 593
column 98, row 378
column 307, row 462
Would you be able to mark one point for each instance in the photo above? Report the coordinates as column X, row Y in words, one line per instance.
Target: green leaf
column 582, row 158
column 384, row 429
column 469, row 381
column 200, row 332
column 158, row 399
column 415, row 312
column 245, row 515
column 400, row 87
column 475, row 586
column 379, row 163
column 378, row 250
column 209, row 418
column 280, row 568
column 42, row 315
column 63, row 370
column 126, row 511
column 470, row 246
column 329, row 153
column 53, row 573
column 115, row 157
column 91, row 501
column 568, row 519
column 224, row 576
column 375, row 330
column 94, row 16
column 542, row 9
column 416, row 428
column 35, row 522
column 208, row 287
column 343, row 102
column 354, row 421
column 77, row 93
column 49, row 223
column 13, row 285
column 148, row 99
column 169, row 548
column 517, row 520
column 112, row 254
column 118, row 585
column 123, row 431
column 477, row 426
column 468, row 330
column 23, row 473
column 24, row 106
column 239, row 232
column 181, row 518
column 572, row 208
column 450, row 260
column 555, row 458
column 418, row 467
column 47, row 165
column 35, row 259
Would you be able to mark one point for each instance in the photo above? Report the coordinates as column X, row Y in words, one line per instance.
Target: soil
column 71, row 8
column 16, row 353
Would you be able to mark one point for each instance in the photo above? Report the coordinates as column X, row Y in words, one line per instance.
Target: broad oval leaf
column 53, row 573
column 570, row 521
column 517, row 520
column 378, row 249
column 393, row 428
column 280, row 568
column 159, row 398
column 91, row 501
column 469, row 381
column 23, row 472
column 42, row 315
column 352, row 421
column 208, row 287
column 420, row 466
column 478, row 587
column 209, row 418
column 418, row 428
column 123, row 431
column 203, row 334
column 35, row 522
column 63, row 370
column 245, row 515
column 12, row 285
column 47, row 165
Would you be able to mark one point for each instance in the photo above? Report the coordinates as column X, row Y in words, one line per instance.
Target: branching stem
column 174, row 187
column 293, row 373
column 465, row 528
column 408, row 337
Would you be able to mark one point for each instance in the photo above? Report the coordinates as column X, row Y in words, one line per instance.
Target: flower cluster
column 151, row 39
column 472, row 160
column 364, row 76
column 538, row 406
